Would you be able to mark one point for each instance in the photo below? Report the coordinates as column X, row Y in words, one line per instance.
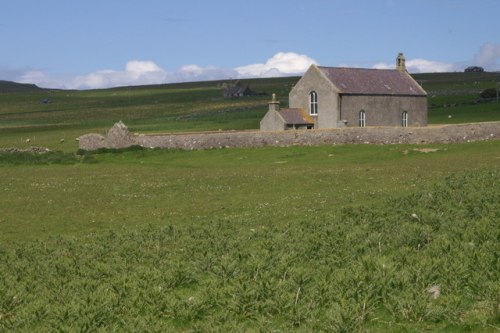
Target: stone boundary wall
column 119, row 137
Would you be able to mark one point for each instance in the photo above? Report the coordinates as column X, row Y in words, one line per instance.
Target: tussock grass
column 367, row 268
column 42, row 158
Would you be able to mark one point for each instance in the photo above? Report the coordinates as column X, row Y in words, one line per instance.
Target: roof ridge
column 360, row 68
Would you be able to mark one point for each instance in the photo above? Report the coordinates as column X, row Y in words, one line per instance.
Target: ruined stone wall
column 119, row 137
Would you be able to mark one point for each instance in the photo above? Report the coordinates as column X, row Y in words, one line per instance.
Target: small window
column 404, row 119
column 362, row 119
column 313, row 103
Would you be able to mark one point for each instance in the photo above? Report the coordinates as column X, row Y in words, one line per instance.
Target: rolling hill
column 14, row 87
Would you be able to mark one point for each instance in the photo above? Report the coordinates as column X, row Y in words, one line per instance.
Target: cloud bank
column 280, row 64
column 488, row 56
column 421, row 66
column 136, row 72
column 142, row 72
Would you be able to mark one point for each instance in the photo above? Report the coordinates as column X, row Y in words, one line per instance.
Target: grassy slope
column 173, row 107
column 10, row 87
column 456, row 95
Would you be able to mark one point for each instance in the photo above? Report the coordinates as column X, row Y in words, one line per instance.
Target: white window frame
column 362, row 118
column 404, row 119
column 313, row 103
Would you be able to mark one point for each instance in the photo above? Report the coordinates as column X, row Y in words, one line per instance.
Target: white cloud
column 136, row 66
column 380, row 65
column 39, row 78
column 197, row 73
column 136, row 73
column 488, row 56
column 428, row 66
column 282, row 63
column 420, row 66
column 142, row 72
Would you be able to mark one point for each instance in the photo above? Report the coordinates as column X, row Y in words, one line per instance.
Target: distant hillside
column 50, row 115
column 9, row 87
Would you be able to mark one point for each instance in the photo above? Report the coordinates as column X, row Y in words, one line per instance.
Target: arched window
column 404, row 119
column 362, row 118
column 313, row 103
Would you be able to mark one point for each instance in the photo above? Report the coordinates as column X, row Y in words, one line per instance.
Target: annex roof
column 372, row 81
column 295, row 116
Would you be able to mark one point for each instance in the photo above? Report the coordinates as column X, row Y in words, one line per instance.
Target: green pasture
column 454, row 97
column 327, row 238
column 96, row 192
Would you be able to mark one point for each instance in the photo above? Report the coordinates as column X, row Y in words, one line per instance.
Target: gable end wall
column 314, row 80
column 272, row 121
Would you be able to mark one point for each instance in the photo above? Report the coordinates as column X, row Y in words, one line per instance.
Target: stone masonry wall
column 119, row 137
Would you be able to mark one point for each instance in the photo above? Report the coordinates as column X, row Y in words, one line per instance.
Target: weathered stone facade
column 336, row 97
column 328, row 98
column 119, row 137
column 384, row 110
column 272, row 121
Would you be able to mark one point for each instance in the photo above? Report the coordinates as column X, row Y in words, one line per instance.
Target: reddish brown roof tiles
column 372, row 81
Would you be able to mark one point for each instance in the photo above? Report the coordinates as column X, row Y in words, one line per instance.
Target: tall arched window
column 313, row 103
column 362, row 118
column 404, row 119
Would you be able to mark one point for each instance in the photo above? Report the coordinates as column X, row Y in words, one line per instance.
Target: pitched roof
column 372, row 81
column 295, row 117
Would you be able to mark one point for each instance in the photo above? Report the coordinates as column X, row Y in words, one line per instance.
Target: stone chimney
column 274, row 105
column 400, row 62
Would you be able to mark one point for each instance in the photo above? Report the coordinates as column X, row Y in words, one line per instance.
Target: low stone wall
column 34, row 150
column 119, row 137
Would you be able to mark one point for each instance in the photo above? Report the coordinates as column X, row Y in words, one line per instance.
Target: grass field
column 327, row 238
column 115, row 190
column 346, row 238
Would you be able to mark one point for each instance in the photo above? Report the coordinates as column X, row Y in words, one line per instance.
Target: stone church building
column 332, row 97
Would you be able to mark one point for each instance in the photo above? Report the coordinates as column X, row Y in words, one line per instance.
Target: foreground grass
column 367, row 268
column 327, row 238
column 68, row 195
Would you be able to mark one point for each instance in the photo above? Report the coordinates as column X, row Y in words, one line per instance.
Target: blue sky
column 101, row 43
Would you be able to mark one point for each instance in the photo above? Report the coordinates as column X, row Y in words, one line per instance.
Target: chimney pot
column 274, row 105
